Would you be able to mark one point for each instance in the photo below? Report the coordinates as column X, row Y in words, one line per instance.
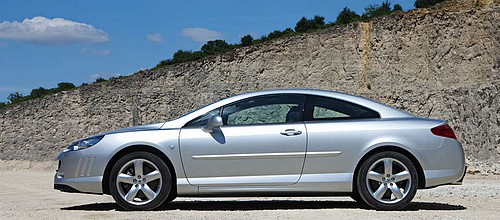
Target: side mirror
column 215, row 121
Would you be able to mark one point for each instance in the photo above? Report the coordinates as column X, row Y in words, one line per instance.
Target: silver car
column 269, row 143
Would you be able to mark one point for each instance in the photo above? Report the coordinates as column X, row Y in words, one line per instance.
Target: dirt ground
column 28, row 194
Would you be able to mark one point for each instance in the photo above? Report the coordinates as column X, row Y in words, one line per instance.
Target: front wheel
column 140, row 181
column 387, row 181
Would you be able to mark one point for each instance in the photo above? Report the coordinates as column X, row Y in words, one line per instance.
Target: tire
column 140, row 181
column 170, row 198
column 357, row 198
column 387, row 181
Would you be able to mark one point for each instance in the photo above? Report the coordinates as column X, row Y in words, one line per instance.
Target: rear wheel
column 140, row 181
column 387, row 181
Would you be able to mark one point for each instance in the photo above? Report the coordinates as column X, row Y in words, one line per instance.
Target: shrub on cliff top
column 397, row 8
column 374, row 11
column 246, row 40
column 304, row 24
column 426, row 3
column 216, row 47
column 347, row 16
column 15, row 97
column 65, row 86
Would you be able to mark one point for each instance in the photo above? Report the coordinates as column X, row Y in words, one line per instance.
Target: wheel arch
column 406, row 153
column 137, row 148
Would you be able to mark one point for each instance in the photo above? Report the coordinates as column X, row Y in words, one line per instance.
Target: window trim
column 188, row 124
column 301, row 104
column 309, row 110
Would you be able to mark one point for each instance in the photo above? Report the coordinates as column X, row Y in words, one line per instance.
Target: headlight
column 83, row 144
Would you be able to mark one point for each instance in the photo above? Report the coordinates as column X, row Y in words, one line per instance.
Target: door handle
column 290, row 132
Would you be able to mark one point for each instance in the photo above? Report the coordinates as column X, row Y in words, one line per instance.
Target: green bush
column 183, row 56
column 100, row 79
column 397, row 8
column 288, row 32
column 65, row 86
column 374, row 11
column 40, row 92
column 246, row 40
column 347, row 16
column 275, row 34
column 304, row 24
column 15, row 97
column 216, row 47
column 426, row 3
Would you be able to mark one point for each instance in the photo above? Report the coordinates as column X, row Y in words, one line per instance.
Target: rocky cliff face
column 441, row 63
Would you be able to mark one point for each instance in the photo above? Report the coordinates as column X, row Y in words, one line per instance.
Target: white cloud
column 56, row 31
column 103, row 75
column 96, row 52
column 201, row 34
column 155, row 37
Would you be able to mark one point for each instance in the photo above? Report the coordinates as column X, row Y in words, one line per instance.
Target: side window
column 202, row 120
column 264, row 110
column 320, row 112
column 323, row 108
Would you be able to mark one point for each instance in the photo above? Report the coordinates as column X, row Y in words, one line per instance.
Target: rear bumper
column 444, row 165
column 461, row 180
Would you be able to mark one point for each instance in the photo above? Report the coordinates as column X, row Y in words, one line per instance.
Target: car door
column 262, row 142
column 337, row 131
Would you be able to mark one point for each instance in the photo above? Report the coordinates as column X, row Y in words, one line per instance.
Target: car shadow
column 264, row 205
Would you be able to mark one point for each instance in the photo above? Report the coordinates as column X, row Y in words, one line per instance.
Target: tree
column 347, row 16
column 263, row 38
column 15, row 97
column 397, row 7
column 186, row 56
column 100, row 79
column 215, row 47
column 304, row 24
column 288, row 32
column 3, row 105
column 426, row 3
column 64, row 86
column 318, row 21
column 246, row 40
column 373, row 11
column 275, row 34
column 40, row 92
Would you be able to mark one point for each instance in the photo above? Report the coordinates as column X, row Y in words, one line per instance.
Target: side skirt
column 308, row 185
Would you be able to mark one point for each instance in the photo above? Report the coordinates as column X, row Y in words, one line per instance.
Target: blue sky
column 46, row 42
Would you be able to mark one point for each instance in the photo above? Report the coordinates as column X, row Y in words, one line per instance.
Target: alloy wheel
column 139, row 181
column 388, row 180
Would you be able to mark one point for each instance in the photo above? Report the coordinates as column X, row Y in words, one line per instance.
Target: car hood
column 149, row 127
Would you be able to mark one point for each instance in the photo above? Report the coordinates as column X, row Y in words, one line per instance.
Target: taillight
column 444, row 131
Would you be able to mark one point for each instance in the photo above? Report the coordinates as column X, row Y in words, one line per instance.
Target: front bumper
column 81, row 184
column 78, row 172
